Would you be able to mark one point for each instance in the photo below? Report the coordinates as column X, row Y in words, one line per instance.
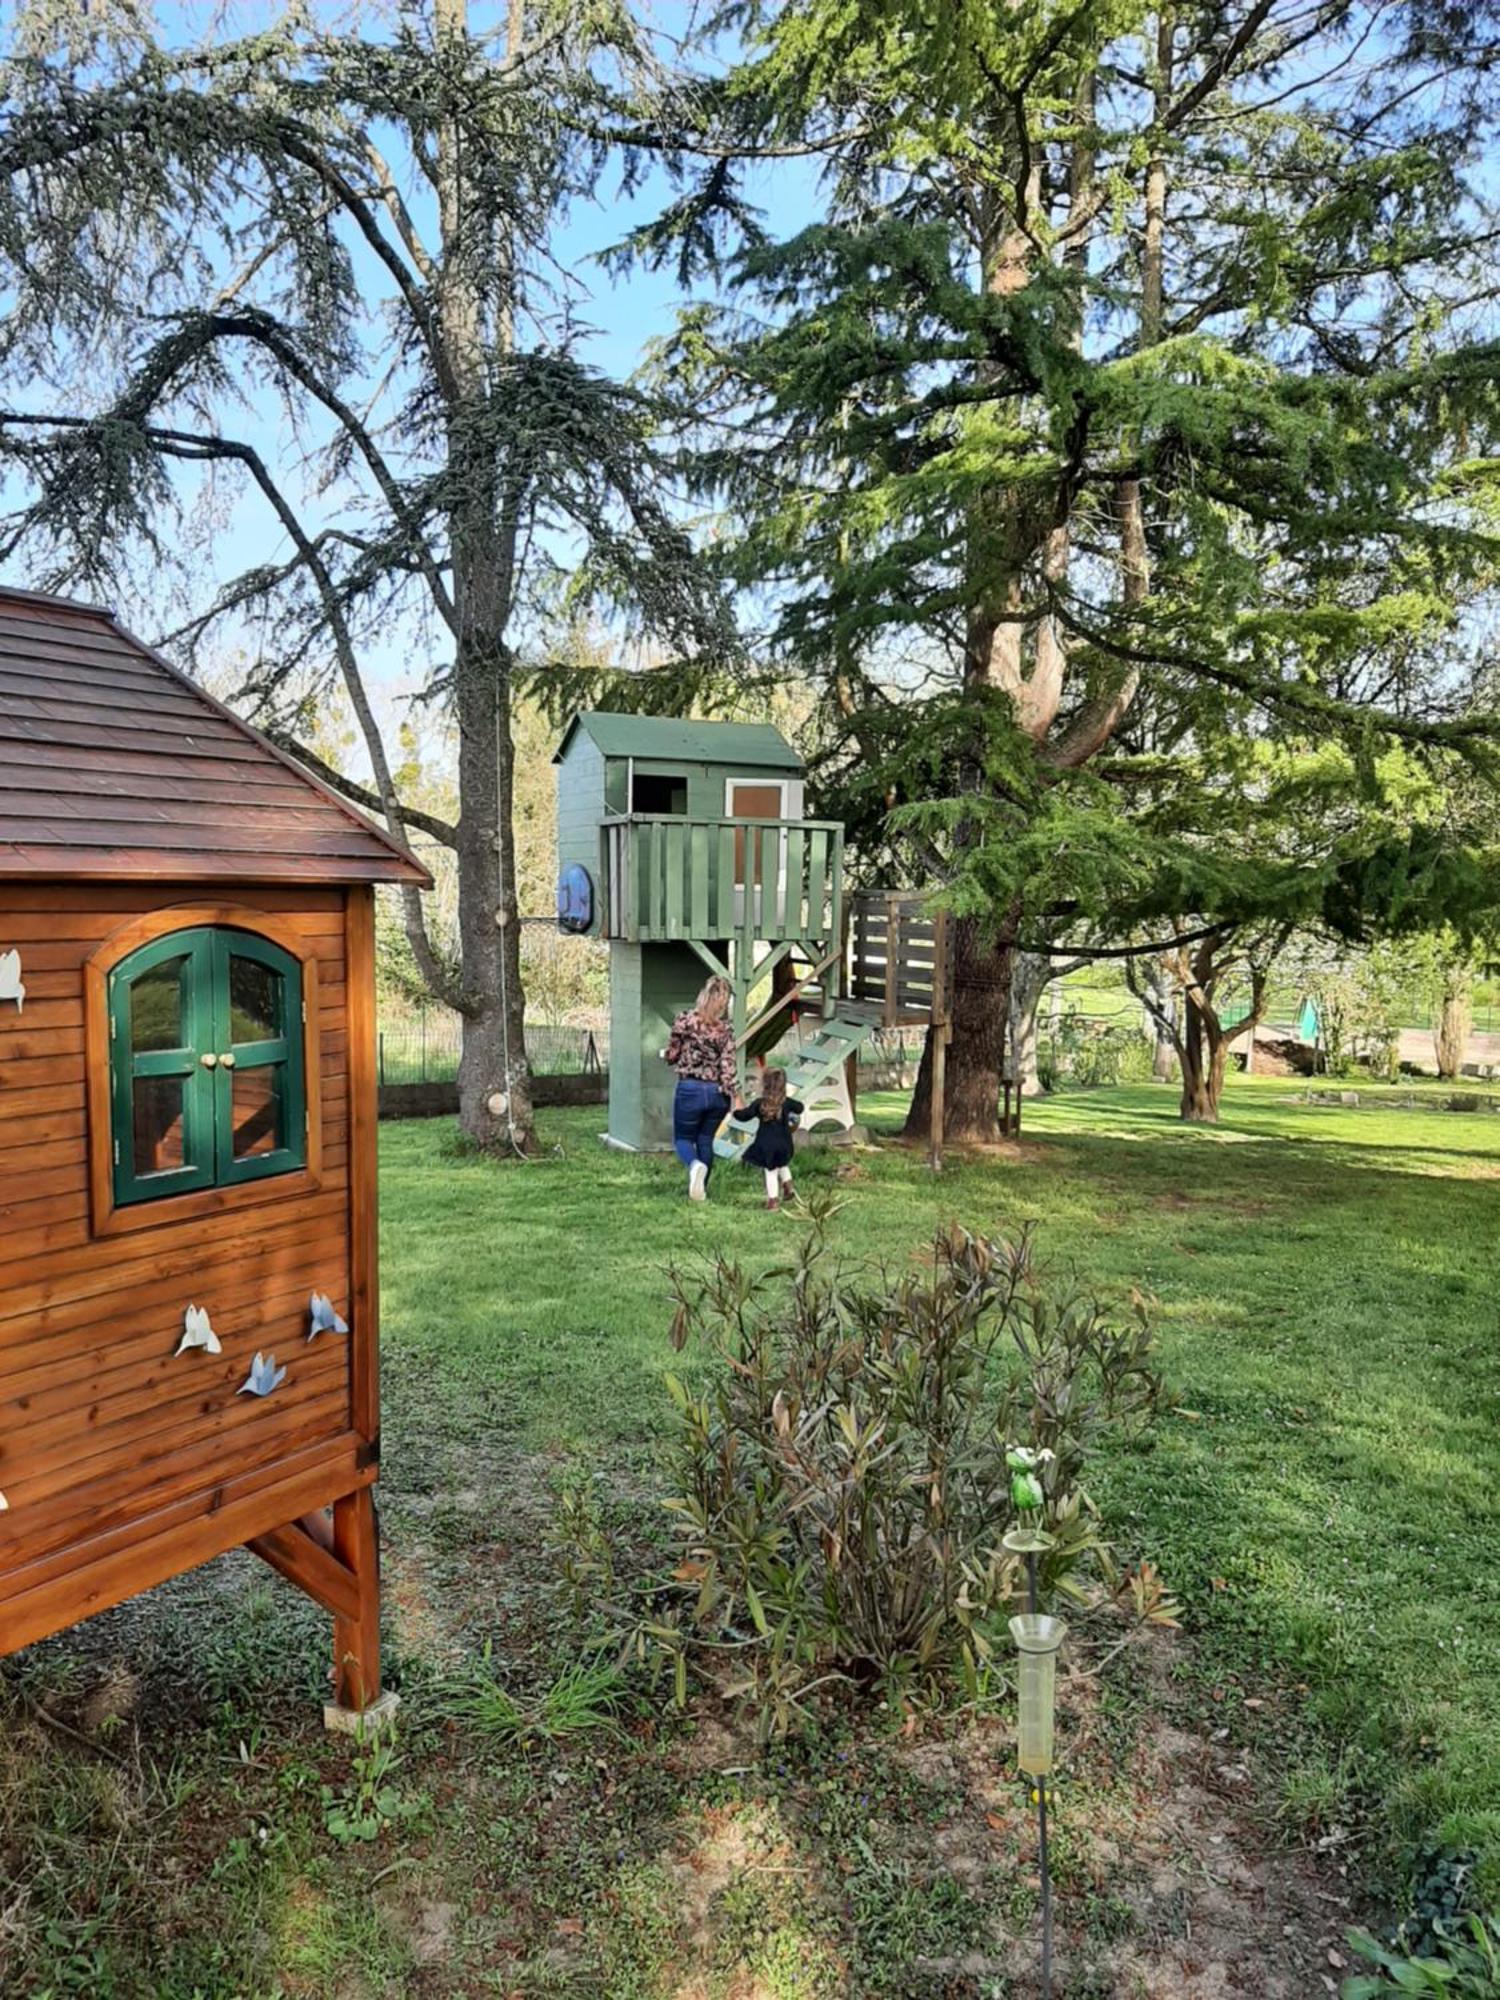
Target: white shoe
column 697, row 1181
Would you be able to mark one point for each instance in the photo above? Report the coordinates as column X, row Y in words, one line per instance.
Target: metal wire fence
column 423, row 1047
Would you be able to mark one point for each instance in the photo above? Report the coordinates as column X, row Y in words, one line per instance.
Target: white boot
column 697, row 1181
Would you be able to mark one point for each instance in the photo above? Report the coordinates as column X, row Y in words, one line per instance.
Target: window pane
column 156, row 1007
column 255, row 1004
column 256, row 1112
column 156, row 1139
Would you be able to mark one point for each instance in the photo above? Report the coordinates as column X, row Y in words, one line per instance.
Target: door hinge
column 117, row 1152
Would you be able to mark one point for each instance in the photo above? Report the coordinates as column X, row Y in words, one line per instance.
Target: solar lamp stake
column 1037, row 1638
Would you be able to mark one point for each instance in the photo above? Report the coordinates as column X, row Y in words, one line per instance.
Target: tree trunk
column 1455, row 1019
column 1160, row 1015
column 1204, row 1055
column 976, row 1054
column 1031, row 974
column 494, row 1086
column 492, row 1064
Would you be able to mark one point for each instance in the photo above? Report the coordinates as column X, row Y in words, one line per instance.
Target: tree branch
column 440, row 830
column 200, row 448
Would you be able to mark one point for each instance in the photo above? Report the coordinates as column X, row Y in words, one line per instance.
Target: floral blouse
column 703, row 1049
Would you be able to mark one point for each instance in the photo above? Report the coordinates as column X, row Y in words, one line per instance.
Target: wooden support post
column 892, row 958
column 356, row 1633
column 939, row 1091
column 939, row 1030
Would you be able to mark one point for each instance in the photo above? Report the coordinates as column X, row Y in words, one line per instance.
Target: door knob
column 208, row 1061
column 226, row 1061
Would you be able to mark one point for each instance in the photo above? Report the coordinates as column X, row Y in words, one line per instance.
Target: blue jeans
column 697, row 1112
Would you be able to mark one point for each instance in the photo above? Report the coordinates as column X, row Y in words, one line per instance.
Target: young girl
column 771, row 1148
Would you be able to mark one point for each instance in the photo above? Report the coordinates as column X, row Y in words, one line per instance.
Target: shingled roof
column 677, row 740
column 113, row 764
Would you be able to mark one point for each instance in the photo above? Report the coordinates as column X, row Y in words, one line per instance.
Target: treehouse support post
column 940, row 1031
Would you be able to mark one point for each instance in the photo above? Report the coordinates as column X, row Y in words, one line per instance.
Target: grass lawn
column 173, row 1823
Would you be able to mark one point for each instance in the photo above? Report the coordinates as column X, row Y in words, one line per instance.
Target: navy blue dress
column 772, row 1145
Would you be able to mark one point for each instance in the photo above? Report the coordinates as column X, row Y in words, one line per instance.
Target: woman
column 701, row 1050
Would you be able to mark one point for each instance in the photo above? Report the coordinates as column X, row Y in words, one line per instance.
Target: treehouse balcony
column 670, row 877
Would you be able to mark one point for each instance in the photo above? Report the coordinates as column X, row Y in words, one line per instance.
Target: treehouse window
column 657, row 792
column 206, row 1064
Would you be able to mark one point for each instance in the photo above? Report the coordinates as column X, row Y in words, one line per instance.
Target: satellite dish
column 575, row 900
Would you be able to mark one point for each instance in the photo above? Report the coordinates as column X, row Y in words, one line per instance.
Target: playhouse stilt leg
column 356, row 1639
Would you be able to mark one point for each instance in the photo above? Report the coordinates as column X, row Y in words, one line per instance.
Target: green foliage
column 968, row 379
column 1083, row 1053
column 1442, row 1895
column 306, row 273
column 1363, row 1001
column 372, row 1802
column 1464, row 1965
column 841, row 1486
column 584, row 1697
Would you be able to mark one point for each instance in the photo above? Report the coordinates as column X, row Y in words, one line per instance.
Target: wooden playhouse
column 188, row 1287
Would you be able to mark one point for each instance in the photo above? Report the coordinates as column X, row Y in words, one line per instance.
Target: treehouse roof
column 672, row 739
column 113, row 764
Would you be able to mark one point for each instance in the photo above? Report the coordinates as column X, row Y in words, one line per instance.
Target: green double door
column 207, row 1072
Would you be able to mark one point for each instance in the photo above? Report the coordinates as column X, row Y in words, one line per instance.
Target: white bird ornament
column 196, row 1332
column 11, row 987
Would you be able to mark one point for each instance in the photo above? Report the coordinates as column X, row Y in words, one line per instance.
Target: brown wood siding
column 112, row 764
column 108, row 1443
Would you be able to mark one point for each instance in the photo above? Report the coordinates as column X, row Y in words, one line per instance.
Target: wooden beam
column 293, row 1553
column 761, row 971
column 137, row 1559
column 790, row 995
column 364, row 1237
column 711, row 959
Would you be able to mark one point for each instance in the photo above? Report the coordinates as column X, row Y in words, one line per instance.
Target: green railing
column 670, row 877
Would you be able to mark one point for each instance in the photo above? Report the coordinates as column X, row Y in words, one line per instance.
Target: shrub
column 1463, row 1963
column 1084, row 1053
column 841, row 1488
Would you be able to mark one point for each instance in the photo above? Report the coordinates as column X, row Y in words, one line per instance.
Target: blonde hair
column 772, row 1093
column 712, row 1003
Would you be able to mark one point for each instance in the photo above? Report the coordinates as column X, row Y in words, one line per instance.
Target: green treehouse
column 685, row 845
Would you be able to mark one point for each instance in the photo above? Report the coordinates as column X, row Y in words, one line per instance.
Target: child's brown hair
column 772, row 1093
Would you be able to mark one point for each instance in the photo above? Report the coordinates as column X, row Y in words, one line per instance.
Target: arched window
column 207, row 1082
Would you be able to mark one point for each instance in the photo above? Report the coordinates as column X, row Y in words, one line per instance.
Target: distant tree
column 1032, row 975
column 1131, row 399
column 1445, row 966
column 304, row 278
column 1225, row 965
column 1455, row 1019
column 1363, row 997
column 1385, row 996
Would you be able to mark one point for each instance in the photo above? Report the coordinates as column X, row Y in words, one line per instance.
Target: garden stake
column 1037, row 1639
column 1041, row 1818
